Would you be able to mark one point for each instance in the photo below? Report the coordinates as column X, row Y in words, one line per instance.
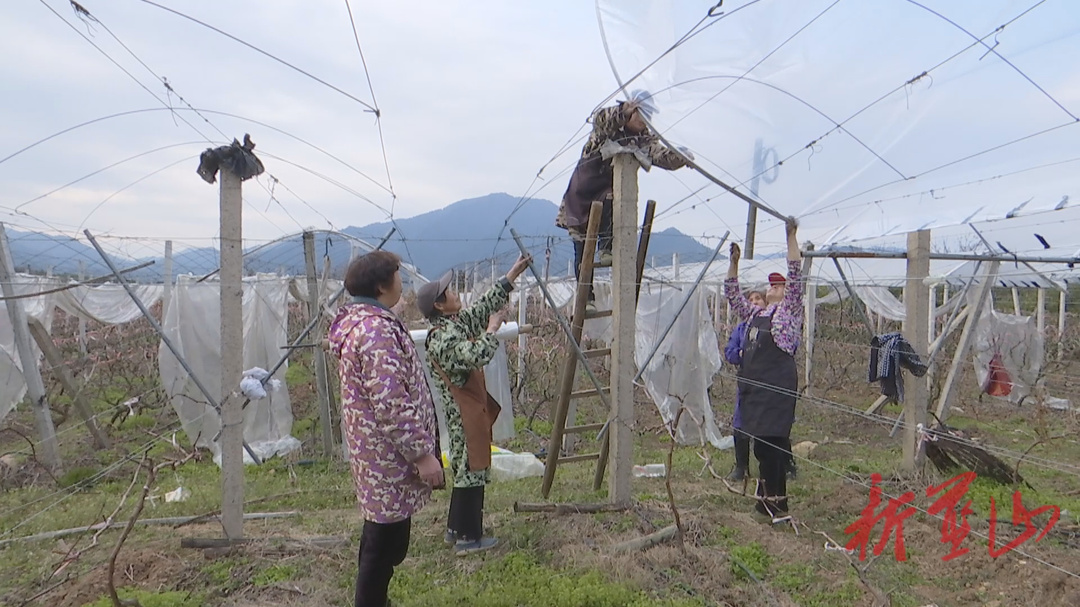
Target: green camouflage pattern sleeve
column 457, row 353
column 474, row 319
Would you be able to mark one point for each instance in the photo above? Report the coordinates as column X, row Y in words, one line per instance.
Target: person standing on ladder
column 593, row 178
column 768, row 378
column 459, row 344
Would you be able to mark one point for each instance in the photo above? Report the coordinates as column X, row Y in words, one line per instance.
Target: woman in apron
column 460, row 343
column 768, row 379
column 733, row 353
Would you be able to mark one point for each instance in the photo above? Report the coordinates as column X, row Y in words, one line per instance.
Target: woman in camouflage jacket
column 460, row 343
column 388, row 417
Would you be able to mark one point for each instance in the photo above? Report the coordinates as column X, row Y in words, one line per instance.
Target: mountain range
column 466, row 235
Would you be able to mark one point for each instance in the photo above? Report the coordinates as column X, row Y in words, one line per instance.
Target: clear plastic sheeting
column 862, row 119
column 192, row 323
column 12, row 384
column 681, row 371
column 1008, row 352
column 108, row 304
column 882, row 302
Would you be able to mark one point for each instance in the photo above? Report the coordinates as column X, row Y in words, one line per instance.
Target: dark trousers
column 466, row 517
column 742, row 450
column 603, row 241
column 383, row 546
column 773, row 458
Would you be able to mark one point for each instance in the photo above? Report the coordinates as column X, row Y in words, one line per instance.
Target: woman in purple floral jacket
column 389, row 419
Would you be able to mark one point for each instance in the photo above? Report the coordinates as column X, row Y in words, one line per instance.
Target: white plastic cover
column 882, row 302
column 1012, row 343
column 12, row 384
column 108, row 304
column 859, row 118
column 682, row 370
column 192, row 323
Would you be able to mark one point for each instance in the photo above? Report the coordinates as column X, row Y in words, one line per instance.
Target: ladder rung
column 578, row 458
column 584, row 428
column 588, row 393
column 597, row 353
column 598, row 314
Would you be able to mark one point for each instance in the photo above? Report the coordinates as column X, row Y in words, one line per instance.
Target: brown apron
column 479, row 410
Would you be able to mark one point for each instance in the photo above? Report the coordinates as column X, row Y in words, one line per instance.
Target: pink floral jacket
column 387, row 410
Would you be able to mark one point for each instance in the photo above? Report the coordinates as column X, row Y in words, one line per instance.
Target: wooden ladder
column 567, row 394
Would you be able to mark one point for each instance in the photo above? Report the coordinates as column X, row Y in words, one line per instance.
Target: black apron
column 768, row 380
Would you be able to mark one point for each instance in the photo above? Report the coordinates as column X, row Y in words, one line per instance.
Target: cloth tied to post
column 237, row 158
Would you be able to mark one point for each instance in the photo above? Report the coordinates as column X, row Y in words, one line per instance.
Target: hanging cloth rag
column 889, row 354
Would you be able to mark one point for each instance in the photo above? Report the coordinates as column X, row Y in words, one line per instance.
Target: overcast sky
column 476, row 97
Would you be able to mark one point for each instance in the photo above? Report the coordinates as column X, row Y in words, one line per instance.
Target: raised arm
column 788, row 319
column 665, row 157
column 739, row 304
column 796, row 285
column 477, row 316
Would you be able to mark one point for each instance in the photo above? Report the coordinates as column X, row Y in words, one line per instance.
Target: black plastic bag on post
column 236, row 158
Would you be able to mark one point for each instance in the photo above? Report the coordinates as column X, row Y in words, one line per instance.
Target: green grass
column 749, row 561
column 542, row 560
column 153, row 599
column 520, row 580
column 276, row 573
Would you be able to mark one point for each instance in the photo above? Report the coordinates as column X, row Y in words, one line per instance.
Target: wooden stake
column 35, row 388
column 1062, row 297
column 82, row 321
column 810, row 322
column 232, row 355
column 932, row 326
column 718, row 301
column 917, row 311
column 547, row 265
column 966, row 337
column 647, row 541
column 1040, row 311
column 1016, row 302
column 567, row 508
column 167, row 280
column 319, row 355
column 523, row 304
column 60, row 371
column 624, row 323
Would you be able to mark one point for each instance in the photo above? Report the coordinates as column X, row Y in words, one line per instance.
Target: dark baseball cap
column 427, row 294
